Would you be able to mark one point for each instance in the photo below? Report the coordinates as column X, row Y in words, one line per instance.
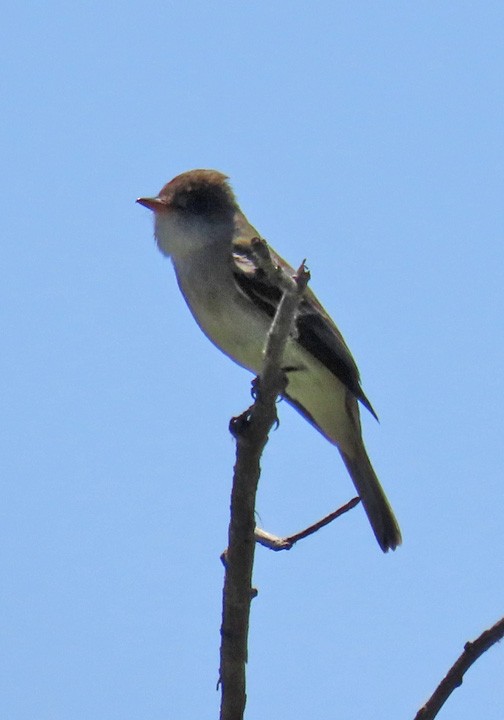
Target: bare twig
column 472, row 651
column 251, row 431
column 276, row 543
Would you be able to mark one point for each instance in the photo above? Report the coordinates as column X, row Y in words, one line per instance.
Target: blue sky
column 367, row 137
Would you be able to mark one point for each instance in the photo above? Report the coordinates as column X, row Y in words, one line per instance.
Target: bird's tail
column 373, row 498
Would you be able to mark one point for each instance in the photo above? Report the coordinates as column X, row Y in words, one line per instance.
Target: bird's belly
column 239, row 330
column 322, row 399
column 232, row 325
column 314, row 391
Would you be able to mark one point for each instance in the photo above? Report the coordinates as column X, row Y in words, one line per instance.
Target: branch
column 251, row 432
column 472, row 651
column 276, row 543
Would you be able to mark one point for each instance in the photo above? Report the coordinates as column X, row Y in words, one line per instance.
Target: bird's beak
column 152, row 203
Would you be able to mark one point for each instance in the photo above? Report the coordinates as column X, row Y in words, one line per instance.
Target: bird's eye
column 210, row 202
column 198, row 202
column 180, row 200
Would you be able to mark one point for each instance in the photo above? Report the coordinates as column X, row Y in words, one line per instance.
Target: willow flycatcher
column 199, row 224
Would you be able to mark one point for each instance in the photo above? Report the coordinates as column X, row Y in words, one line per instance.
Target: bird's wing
column 315, row 331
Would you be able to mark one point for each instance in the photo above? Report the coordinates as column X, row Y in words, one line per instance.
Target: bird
column 200, row 226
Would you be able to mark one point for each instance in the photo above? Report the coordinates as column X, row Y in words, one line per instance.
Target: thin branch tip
column 272, row 542
column 473, row 649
